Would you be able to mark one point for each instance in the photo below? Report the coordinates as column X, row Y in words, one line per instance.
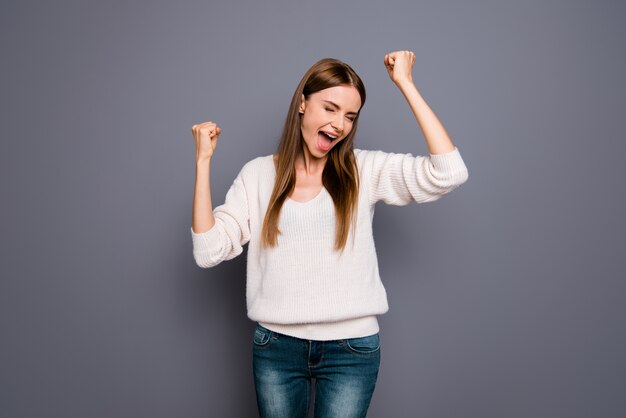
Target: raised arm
column 206, row 135
column 217, row 234
column 398, row 179
column 399, row 65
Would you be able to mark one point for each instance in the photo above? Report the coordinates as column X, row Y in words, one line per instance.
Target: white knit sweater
column 303, row 287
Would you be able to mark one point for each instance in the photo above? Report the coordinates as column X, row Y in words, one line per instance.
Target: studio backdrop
column 507, row 296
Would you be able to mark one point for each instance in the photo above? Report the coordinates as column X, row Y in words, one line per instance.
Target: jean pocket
column 364, row 345
column 262, row 336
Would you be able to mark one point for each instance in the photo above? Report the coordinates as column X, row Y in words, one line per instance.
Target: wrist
column 202, row 161
column 405, row 84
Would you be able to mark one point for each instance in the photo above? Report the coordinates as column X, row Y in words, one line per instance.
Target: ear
column 302, row 104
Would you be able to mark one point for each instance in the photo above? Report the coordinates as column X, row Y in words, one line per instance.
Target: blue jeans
column 345, row 371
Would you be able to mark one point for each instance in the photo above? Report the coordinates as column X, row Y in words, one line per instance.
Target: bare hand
column 399, row 65
column 206, row 135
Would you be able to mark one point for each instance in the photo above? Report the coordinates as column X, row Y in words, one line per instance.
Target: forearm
column 435, row 133
column 202, row 212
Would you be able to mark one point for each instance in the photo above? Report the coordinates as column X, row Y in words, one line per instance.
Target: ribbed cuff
column 448, row 162
column 203, row 241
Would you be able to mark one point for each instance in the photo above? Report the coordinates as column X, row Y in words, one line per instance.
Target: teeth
column 329, row 135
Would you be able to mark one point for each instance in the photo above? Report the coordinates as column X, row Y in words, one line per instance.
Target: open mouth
column 324, row 140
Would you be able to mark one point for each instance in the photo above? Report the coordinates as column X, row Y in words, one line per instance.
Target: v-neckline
column 308, row 201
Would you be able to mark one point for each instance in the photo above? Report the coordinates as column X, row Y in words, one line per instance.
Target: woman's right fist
column 206, row 135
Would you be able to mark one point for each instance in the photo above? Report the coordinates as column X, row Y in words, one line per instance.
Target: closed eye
column 332, row 110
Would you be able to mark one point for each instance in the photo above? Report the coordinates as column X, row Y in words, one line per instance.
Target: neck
column 310, row 164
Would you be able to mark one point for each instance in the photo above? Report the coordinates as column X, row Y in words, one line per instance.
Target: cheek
column 348, row 129
column 308, row 125
column 306, row 132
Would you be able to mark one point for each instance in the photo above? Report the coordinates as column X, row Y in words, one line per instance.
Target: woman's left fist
column 399, row 65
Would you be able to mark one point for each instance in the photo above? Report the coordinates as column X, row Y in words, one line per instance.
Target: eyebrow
column 337, row 106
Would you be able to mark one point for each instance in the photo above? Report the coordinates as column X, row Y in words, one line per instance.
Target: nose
column 337, row 125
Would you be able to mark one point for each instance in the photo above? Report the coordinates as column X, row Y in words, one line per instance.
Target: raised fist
column 399, row 65
column 206, row 135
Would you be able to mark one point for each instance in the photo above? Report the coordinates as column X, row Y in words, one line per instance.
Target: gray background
column 507, row 296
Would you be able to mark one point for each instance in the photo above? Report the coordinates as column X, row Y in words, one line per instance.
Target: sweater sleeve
column 399, row 179
column 231, row 231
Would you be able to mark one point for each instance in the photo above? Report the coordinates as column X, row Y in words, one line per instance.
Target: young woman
column 313, row 285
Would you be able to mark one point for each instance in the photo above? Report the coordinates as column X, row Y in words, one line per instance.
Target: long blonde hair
column 340, row 176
